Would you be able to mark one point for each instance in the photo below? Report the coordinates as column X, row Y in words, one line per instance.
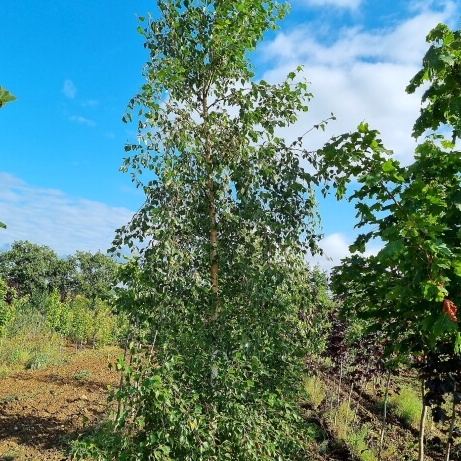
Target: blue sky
column 74, row 66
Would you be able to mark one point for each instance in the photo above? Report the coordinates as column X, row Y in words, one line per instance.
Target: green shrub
column 343, row 416
column 13, row 354
column 82, row 375
column 7, row 311
column 91, row 322
column 27, row 321
column 354, row 436
column 315, row 391
column 358, row 445
column 32, row 337
column 40, row 360
column 28, row 342
column 56, row 312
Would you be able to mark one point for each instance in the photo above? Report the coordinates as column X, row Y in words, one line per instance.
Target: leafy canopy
column 441, row 69
column 37, row 270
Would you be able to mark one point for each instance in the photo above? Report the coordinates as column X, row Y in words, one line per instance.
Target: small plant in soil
column 83, row 375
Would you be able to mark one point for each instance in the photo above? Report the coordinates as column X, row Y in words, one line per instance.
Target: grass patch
column 41, row 359
column 353, row 435
column 343, row 421
column 357, row 442
column 407, row 406
column 39, row 352
column 4, row 372
column 341, row 418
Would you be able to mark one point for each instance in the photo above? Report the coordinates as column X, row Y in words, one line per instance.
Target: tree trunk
column 383, row 428
column 422, row 424
column 452, row 425
column 211, row 192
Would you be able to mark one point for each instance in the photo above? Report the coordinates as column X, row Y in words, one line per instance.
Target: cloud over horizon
column 51, row 217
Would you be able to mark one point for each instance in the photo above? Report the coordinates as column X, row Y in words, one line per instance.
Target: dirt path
column 40, row 408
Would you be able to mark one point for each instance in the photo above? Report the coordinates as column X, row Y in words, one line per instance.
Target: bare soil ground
column 41, row 409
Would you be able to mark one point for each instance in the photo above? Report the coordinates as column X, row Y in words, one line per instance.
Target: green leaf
column 5, row 96
column 388, row 166
column 443, row 325
column 392, row 249
column 456, row 264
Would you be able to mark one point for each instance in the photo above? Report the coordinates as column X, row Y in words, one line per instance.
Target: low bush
column 357, row 442
column 315, row 391
column 83, row 321
column 29, row 344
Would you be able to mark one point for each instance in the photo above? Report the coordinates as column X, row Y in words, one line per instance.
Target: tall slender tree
column 219, row 273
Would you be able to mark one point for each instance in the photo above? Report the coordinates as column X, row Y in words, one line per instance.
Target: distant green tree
column 65, row 277
column 30, row 268
column 93, row 274
column 36, row 270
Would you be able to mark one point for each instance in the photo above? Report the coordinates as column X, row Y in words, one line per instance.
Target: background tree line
column 36, row 271
column 47, row 302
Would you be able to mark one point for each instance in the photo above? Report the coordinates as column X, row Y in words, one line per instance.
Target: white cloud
column 361, row 75
column 352, row 4
column 50, row 217
column 90, row 103
column 82, row 120
column 69, row 89
column 336, row 247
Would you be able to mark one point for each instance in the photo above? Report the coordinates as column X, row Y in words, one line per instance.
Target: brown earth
column 41, row 409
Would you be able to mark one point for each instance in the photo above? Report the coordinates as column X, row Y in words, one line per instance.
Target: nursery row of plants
column 48, row 303
column 377, row 406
